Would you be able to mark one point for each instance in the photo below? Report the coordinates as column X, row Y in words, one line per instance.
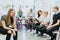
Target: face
column 30, row 10
column 40, row 13
column 12, row 13
column 45, row 13
column 54, row 10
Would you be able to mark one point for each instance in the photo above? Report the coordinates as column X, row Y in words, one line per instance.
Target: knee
column 9, row 32
column 48, row 31
column 14, row 33
column 37, row 27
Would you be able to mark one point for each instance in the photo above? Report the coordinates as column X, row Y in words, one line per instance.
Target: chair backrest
column 0, row 22
column 59, row 28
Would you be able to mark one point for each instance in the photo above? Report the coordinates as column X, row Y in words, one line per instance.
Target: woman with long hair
column 8, row 25
column 37, row 20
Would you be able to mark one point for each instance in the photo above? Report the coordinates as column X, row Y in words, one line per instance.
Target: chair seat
column 56, row 31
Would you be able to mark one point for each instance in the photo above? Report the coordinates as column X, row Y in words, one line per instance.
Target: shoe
column 40, row 35
column 54, row 37
column 35, row 33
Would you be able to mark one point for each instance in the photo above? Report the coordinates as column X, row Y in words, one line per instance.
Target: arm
column 37, row 19
column 4, row 25
column 44, row 23
column 58, row 22
column 14, row 24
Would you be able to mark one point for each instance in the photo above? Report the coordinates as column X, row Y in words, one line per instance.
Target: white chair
column 58, row 34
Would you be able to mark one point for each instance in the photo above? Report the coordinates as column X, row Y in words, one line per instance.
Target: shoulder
column 3, row 17
column 58, row 13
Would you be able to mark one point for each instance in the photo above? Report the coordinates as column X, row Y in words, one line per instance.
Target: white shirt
column 31, row 15
column 43, row 19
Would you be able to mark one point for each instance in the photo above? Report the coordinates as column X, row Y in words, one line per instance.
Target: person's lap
column 52, row 29
column 3, row 31
column 44, row 30
column 41, row 28
column 35, row 25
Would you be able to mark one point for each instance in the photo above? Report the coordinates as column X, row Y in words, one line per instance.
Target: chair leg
column 59, row 36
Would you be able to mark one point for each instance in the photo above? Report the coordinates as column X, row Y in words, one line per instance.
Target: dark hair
column 38, row 13
column 56, row 7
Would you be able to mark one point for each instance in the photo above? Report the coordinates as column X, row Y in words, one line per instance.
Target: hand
column 14, row 33
column 49, row 27
column 15, row 29
column 40, row 24
column 9, row 31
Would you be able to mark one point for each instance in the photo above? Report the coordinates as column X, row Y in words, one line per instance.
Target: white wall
column 45, row 5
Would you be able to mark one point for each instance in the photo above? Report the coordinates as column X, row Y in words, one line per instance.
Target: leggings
column 4, row 32
column 50, row 31
column 35, row 25
column 40, row 29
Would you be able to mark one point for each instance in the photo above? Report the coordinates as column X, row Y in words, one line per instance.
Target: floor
column 26, row 35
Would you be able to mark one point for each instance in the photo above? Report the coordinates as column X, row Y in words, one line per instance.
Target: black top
column 56, row 17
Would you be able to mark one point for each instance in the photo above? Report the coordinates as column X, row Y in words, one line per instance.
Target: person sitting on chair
column 36, row 21
column 8, row 25
column 44, row 23
column 55, row 24
column 31, row 17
